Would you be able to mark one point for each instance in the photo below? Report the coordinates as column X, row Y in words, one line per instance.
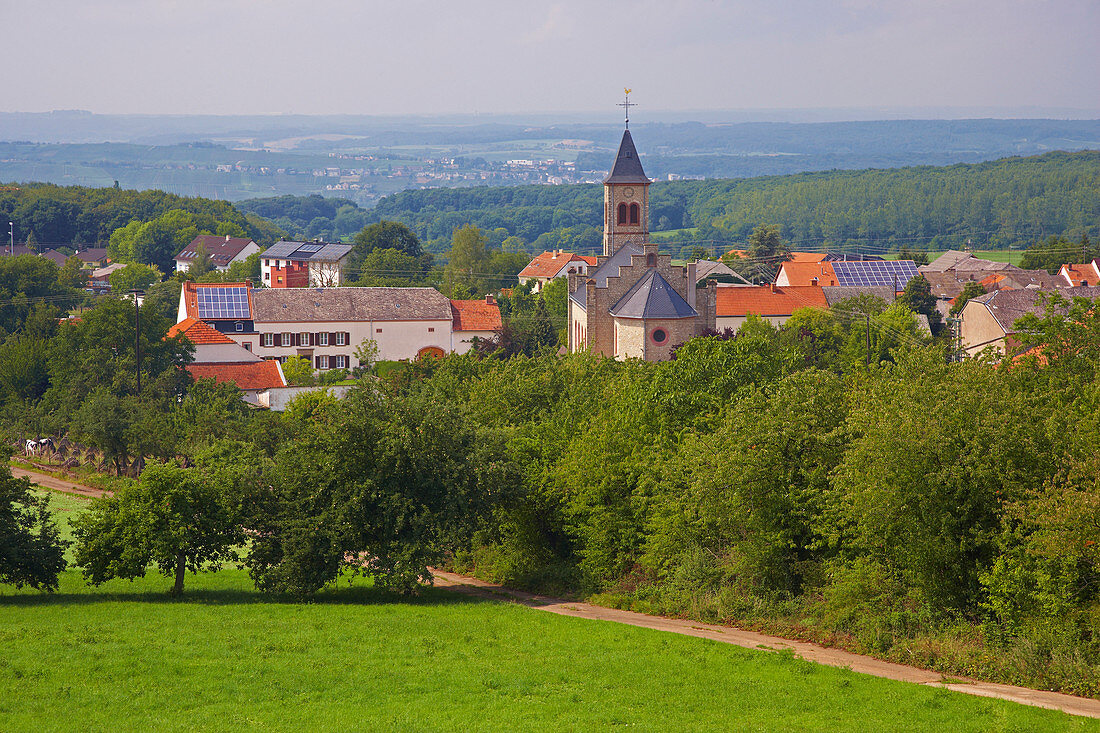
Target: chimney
column 774, row 288
column 490, row 299
column 227, row 237
column 813, row 281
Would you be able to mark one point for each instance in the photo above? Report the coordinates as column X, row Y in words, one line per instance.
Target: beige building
column 989, row 321
column 634, row 303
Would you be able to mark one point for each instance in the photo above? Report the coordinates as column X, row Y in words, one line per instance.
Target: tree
column 393, row 268
column 467, row 259
column 919, row 257
column 134, row 276
column 918, row 297
column 1051, row 254
column 765, row 252
column 31, row 550
column 970, row 290
column 386, row 235
column 366, row 354
column 201, row 262
column 175, row 518
column 299, row 372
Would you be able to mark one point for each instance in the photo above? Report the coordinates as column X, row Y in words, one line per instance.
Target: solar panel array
column 884, row 273
column 223, row 303
column 309, row 249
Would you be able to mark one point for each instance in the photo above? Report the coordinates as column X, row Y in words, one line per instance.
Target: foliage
column 157, row 242
column 1056, row 251
column 918, row 297
column 31, row 551
column 134, row 276
column 29, row 284
column 299, row 372
column 174, row 518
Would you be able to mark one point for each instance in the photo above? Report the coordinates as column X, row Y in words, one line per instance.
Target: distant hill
column 1000, row 204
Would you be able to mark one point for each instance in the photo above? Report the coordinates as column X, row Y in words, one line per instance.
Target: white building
column 304, row 264
column 327, row 325
column 223, row 251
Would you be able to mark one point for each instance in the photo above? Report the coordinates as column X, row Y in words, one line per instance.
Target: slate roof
column 1008, row 306
column 197, row 332
column 953, row 259
column 328, row 252
column 247, row 375
column 296, row 305
column 627, row 167
column 705, row 268
column 475, row 315
column 652, row 297
column 222, row 250
column 609, row 268
column 767, row 300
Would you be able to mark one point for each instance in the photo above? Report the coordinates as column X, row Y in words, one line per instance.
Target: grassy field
column 126, row 657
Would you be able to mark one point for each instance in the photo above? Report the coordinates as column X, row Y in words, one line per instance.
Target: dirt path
column 752, row 640
column 57, row 484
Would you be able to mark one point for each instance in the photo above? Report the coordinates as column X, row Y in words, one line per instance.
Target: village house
column 1077, row 275
column 549, row 265
column 327, row 325
column 223, row 251
column 634, row 303
column 773, row 303
column 304, row 264
column 218, row 357
column 989, row 321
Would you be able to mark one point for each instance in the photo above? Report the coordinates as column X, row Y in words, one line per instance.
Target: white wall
column 222, row 353
column 277, row 398
column 721, row 323
column 396, row 339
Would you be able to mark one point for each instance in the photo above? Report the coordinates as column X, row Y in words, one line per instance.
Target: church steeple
column 625, row 200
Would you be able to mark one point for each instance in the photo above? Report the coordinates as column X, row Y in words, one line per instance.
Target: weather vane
column 626, row 104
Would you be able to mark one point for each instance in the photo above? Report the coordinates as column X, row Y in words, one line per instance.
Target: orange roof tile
column 246, row 375
column 803, row 273
column 475, row 315
column 549, row 264
column 1080, row 274
column 197, row 332
column 768, row 300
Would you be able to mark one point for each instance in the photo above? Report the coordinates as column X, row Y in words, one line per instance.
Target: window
column 378, row 330
column 286, row 339
column 651, row 260
column 267, row 263
column 247, row 345
column 269, row 339
column 622, row 214
column 341, row 361
column 303, row 339
column 267, row 276
column 341, row 338
column 279, row 280
column 322, row 362
column 431, row 329
column 322, row 339
column 239, row 326
column 659, row 336
column 634, row 209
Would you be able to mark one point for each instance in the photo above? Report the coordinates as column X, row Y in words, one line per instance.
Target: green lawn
column 126, row 657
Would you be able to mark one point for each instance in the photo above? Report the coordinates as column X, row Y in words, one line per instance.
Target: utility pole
column 11, row 237
column 137, row 338
column 868, row 317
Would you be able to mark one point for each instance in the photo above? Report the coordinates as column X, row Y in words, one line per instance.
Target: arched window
column 659, row 336
column 651, row 260
column 634, row 213
column 622, row 213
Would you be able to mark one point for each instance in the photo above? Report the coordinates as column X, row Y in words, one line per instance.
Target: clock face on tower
column 628, row 192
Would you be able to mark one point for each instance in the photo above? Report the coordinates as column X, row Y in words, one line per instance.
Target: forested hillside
column 999, row 204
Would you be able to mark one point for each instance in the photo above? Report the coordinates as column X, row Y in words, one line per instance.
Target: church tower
column 625, row 200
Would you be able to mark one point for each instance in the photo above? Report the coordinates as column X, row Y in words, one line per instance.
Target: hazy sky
column 516, row 56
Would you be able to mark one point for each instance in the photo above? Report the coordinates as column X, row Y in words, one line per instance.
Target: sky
column 517, row 56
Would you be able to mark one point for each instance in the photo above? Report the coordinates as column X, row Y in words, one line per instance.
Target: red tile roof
column 802, row 273
column 1076, row 275
column 768, row 300
column 549, row 264
column 249, row 375
column 475, row 315
column 198, row 332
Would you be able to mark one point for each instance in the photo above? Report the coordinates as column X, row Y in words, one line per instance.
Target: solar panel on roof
column 309, row 248
column 223, row 303
column 885, row 273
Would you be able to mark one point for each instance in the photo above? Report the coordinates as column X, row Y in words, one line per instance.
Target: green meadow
column 125, row 656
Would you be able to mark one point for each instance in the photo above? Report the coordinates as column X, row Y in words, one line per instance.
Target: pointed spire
column 627, row 167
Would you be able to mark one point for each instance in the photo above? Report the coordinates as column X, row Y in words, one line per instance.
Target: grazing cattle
column 34, row 447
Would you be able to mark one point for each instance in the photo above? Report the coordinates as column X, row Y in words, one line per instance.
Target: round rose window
column 659, row 336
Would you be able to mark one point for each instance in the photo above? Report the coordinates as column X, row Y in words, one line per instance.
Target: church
column 634, row 303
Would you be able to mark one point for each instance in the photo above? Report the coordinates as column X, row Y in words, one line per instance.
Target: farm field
column 126, row 657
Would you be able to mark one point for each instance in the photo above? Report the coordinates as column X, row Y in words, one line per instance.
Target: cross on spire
column 626, row 104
